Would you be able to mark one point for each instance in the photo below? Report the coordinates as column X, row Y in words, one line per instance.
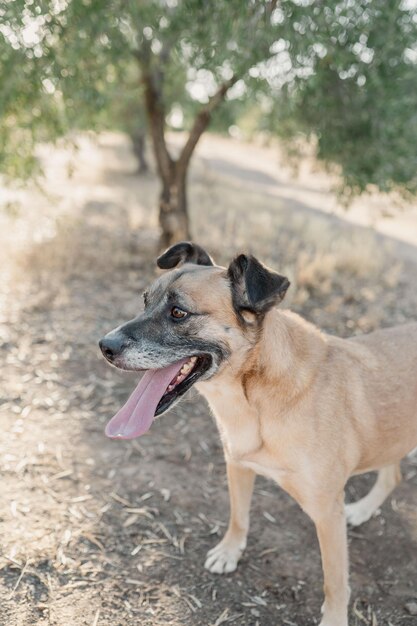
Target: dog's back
column 390, row 388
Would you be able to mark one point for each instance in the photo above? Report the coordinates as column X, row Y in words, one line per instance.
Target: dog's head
column 199, row 319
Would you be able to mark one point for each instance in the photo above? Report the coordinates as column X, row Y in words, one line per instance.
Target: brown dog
column 291, row 403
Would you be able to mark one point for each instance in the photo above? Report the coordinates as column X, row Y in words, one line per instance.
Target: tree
column 341, row 71
column 203, row 38
column 78, row 48
column 354, row 89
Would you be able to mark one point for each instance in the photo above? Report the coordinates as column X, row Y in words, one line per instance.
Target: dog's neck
column 289, row 351
column 279, row 368
column 285, row 357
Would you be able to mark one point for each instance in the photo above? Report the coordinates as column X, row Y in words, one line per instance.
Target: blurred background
column 284, row 128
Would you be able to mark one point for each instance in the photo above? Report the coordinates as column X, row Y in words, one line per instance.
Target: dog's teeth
column 182, row 374
column 186, row 368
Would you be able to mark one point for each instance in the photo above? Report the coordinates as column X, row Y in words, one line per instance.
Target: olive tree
column 343, row 72
column 76, row 49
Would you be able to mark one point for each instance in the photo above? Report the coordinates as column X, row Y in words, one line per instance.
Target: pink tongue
column 136, row 416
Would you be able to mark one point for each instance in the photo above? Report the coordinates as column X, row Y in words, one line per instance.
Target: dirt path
column 102, row 533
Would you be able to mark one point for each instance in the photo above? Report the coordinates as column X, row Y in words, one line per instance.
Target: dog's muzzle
column 112, row 346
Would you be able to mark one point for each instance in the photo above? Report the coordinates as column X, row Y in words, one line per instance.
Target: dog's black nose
column 111, row 347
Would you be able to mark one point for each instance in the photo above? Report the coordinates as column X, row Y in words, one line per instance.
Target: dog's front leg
column 225, row 556
column 330, row 524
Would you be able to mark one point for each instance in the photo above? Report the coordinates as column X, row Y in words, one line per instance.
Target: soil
column 97, row 532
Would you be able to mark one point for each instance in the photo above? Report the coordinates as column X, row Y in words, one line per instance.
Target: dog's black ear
column 183, row 252
column 255, row 288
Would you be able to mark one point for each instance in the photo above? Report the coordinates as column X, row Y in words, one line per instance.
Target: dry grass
column 323, row 256
column 70, row 231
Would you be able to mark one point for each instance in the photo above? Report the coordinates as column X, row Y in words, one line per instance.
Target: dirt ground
column 108, row 533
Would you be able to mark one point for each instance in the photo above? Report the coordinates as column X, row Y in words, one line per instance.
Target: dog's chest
column 276, row 474
column 240, row 431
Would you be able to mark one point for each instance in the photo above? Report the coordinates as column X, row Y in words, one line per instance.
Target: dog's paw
column 357, row 513
column 224, row 558
column 334, row 621
column 332, row 618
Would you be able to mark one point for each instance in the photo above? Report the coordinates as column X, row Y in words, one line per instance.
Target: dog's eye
column 177, row 313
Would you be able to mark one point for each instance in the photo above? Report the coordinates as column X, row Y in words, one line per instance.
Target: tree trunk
column 173, row 212
column 173, row 215
column 138, row 140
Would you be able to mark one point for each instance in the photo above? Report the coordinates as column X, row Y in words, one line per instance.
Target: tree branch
column 152, row 80
column 201, row 122
column 270, row 7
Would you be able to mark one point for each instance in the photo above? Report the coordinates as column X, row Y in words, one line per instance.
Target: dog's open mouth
column 154, row 394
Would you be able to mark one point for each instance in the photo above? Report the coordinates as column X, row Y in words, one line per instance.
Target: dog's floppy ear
column 183, row 252
column 255, row 288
